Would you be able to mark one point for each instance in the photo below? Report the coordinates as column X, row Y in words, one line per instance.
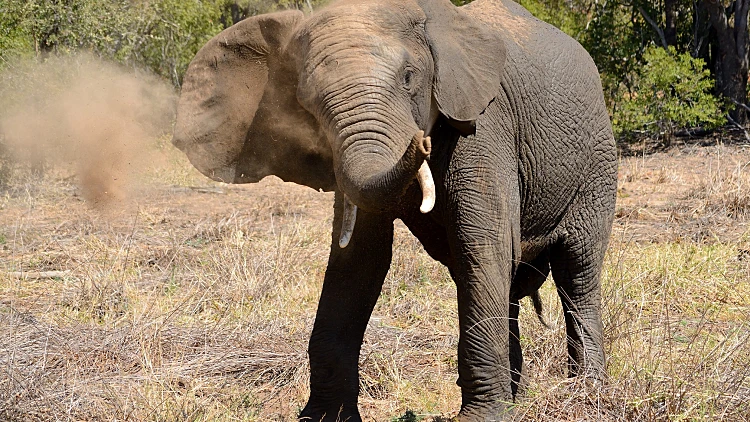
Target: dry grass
column 196, row 304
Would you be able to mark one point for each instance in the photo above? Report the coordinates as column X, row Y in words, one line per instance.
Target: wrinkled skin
column 521, row 152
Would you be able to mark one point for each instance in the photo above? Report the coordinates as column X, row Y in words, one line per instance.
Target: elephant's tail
column 536, row 299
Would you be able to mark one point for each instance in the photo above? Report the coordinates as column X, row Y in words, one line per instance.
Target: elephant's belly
column 531, row 247
column 433, row 237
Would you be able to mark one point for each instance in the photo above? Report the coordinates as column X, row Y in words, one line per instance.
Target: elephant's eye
column 408, row 79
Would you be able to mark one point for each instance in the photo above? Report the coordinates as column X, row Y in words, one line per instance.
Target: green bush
column 164, row 35
column 670, row 92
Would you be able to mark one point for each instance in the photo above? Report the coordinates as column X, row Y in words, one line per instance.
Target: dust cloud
column 96, row 118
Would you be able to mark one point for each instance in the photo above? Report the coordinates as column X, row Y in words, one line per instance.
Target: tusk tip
column 427, row 206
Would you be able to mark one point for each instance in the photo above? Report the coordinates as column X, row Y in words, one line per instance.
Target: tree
column 571, row 16
column 731, row 62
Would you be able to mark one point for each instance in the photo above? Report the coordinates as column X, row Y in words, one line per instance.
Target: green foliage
column 408, row 416
column 618, row 33
column 161, row 35
column 567, row 15
column 610, row 41
column 13, row 34
column 670, row 92
column 58, row 26
column 164, row 35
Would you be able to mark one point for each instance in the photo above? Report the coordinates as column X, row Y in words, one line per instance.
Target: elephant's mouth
column 426, row 184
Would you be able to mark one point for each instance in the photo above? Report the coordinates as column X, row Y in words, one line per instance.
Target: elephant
column 483, row 129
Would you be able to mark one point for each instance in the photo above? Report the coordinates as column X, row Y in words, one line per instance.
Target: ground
column 192, row 300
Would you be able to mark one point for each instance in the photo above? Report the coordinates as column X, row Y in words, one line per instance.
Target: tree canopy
column 620, row 35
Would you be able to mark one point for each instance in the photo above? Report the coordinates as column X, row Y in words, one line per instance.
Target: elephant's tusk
column 347, row 226
column 424, row 176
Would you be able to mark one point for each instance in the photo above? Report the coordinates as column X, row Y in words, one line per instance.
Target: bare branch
column 739, row 126
column 655, row 26
column 745, row 106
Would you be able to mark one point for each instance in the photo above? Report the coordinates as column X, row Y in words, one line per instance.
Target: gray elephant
column 482, row 128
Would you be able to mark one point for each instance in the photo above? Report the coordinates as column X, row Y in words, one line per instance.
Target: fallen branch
column 38, row 275
column 201, row 189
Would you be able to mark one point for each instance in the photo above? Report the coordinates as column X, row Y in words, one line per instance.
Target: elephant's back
column 563, row 126
column 554, row 67
column 539, row 42
column 546, row 70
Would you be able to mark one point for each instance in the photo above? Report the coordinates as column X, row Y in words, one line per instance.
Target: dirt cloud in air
column 98, row 118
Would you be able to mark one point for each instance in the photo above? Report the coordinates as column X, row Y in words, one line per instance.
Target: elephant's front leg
column 485, row 209
column 352, row 284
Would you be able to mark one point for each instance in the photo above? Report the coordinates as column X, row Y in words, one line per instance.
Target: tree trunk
column 731, row 63
column 670, row 24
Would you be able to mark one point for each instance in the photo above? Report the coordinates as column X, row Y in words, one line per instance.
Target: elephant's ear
column 469, row 58
column 238, row 119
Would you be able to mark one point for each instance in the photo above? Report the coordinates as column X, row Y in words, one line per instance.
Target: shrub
column 670, row 92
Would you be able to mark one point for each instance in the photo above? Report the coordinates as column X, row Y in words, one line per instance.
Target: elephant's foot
column 344, row 413
column 494, row 412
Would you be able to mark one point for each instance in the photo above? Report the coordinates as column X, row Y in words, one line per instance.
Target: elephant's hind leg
column 577, row 258
column 576, row 262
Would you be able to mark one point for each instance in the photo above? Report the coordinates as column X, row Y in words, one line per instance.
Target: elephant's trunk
column 381, row 189
column 378, row 148
column 376, row 186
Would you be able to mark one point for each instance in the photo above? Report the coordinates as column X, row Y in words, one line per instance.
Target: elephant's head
column 340, row 99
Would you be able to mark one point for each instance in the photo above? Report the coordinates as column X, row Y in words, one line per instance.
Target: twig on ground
column 201, row 189
column 38, row 275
